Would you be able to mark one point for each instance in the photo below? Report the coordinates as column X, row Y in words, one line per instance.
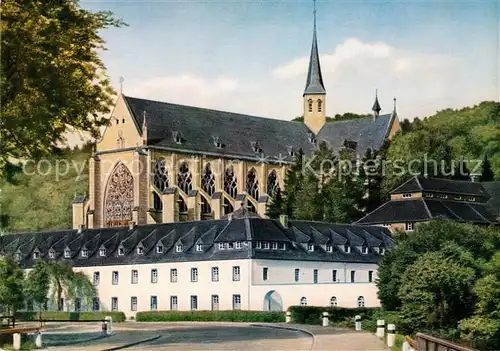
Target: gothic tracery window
column 272, row 183
column 230, row 182
column 252, row 184
column 160, row 175
column 208, row 180
column 184, row 178
column 119, row 197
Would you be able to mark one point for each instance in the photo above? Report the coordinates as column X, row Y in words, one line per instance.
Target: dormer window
column 310, row 105
column 17, row 256
column 282, row 246
column 382, row 251
column 291, row 151
column 230, row 245
column 329, row 248
column 221, row 246
column 442, row 196
column 36, row 255
column 310, row 247
column 409, row 226
column 238, row 245
column 428, row 195
column 159, row 249
column 178, row 248
column 364, row 250
column 140, row 250
column 266, row 245
column 52, row 254
column 199, row 247
column 258, row 245
column 320, row 105
column 387, row 225
column 85, row 253
column 102, row 252
column 121, row 251
column 458, row 197
column 275, row 246
column 256, row 147
column 312, row 138
column 177, row 136
column 67, row 254
column 405, row 196
column 217, row 142
column 347, row 249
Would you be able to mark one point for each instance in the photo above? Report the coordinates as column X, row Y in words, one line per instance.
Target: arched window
column 208, row 180
column 310, row 105
column 206, row 209
column 361, row 301
column 160, row 175
column 183, row 209
column 119, row 200
column 230, row 182
column 272, row 183
column 303, row 301
column 184, row 178
column 333, row 301
column 157, row 204
column 320, row 105
column 228, row 207
column 252, row 184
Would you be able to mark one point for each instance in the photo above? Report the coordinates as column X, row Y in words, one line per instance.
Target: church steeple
column 314, row 93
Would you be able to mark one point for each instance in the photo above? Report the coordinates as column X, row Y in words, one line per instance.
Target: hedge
column 70, row 316
column 313, row 314
column 210, row 316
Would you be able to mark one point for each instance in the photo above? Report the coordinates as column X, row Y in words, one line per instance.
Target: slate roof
column 438, row 185
column 244, row 136
column 493, row 204
column 422, row 209
column 209, row 233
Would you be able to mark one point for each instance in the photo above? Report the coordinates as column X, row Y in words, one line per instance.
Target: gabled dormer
column 121, row 250
column 139, row 249
column 102, row 251
column 52, row 253
column 36, row 253
column 67, row 252
column 84, row 252
column 159, row 248
column 177, row 137
column 179, row 246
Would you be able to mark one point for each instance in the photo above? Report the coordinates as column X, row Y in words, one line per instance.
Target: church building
column 159, row 162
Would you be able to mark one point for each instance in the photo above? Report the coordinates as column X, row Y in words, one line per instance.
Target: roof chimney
column 131, row 225
column 284, row 221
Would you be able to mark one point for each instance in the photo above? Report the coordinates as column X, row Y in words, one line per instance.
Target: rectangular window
column 258, row 245
column 159, row 249
column 199, row 247
column 221, row 246
column 297, row 274
column 275, row 246
column 353, row 276
column 265, row 273
column 154, row 303
column 215, row 274
column 329, row 248
column 409, row 227
column 95, row 304
column 173, row 303
column 315, row 276
column 85, row 253
column 238, row 245
column 140, row 250
column 178, row 248
column 236, row 273
column 370, row 276
column 97, row 278
column 266, row 245
column 173, row 275
column 230, row 245
column 102, row 252
column 236, row 302
column 194, row 274
column 133, row 303
column 154, row 275
column 215, row 302
column 135, row 276
column 334, row 275
column 121, row 251
column 114, row 304
column 310, row 247
column 194, row 302
column 78, row 304
column 282, row 246
column 114, row 277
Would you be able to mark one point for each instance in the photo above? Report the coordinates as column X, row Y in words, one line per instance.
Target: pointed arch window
column 333, row 301
column 184, row 178
column 320, row 105
column 157, row 203
column 230, row 182
column 272, row 183
column 206, row 209
column 119, row 200
column 310, row 105
column 252, row 184
column 160, row 174
column 208, row 180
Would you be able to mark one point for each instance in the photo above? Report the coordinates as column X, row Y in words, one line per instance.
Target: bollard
column 380, row 328
column 16, row 341
column 109, row 325
column 325, row 319
column 38, row 339
column 357, row 319
column 391, row 335
column 288, row 318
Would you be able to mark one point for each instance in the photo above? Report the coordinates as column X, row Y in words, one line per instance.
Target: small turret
column 376, row 107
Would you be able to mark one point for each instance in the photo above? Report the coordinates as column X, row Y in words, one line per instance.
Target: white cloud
column 184, row 89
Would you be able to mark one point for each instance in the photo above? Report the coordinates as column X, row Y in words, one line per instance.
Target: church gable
column 123, row 131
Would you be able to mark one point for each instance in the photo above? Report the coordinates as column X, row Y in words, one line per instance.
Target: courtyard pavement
column 223, row 336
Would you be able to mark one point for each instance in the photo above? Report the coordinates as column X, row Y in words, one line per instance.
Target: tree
column 293, row 182
column 11, row 285
column 37, row 284
column 277, row 205
column 371, row 175
column 53, row 80
column 486, row 171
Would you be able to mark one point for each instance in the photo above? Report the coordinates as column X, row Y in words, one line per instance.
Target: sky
column 251, row 56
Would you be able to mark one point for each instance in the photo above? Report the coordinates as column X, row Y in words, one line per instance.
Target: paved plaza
column 222, row 336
